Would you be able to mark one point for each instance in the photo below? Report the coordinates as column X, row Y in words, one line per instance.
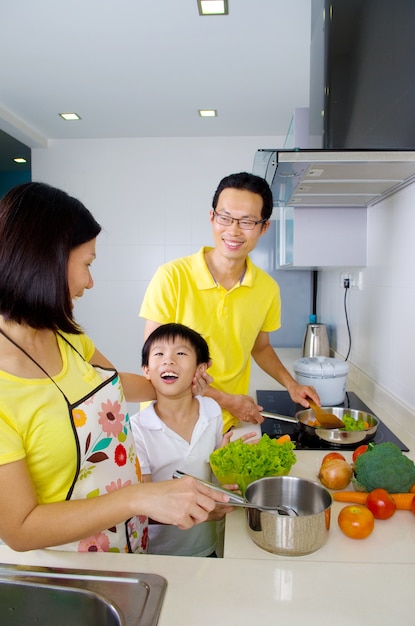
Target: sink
column 41, row 596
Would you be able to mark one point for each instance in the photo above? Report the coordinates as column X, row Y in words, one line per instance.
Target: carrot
column 355, row 497
column 403, row 501
column 283, row 438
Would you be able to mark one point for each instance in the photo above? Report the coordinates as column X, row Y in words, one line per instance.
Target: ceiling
column 131, row 68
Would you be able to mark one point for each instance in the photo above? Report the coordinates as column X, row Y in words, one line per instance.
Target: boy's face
column 172, row 366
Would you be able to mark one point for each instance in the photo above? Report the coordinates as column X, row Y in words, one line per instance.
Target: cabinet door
column 313, row 238
column 286, row 234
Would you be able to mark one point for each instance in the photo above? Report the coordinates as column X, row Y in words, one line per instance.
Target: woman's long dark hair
column 39, row 226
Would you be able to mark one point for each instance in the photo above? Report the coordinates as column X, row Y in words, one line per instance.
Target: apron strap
column 35, row 362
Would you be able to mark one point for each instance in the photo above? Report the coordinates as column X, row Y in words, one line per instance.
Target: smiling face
column 79, row 273
column 171, row 366
column 232, row 241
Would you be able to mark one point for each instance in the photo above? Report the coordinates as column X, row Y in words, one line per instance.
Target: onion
column 335, row 474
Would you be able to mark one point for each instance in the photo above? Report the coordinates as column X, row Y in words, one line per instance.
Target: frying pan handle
column 234, row 498
column 277, row 416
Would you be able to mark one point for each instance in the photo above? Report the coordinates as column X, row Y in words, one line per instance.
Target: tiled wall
column 381, row 315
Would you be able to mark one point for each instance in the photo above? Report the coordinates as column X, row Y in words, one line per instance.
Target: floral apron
column 106, row 459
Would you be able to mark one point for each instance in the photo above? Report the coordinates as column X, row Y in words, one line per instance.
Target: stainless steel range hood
column 334, row 178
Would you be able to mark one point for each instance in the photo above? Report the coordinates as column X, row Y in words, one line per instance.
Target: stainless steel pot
column 335, row 436
column 289, row 535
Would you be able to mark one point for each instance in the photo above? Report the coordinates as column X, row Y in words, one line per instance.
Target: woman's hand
column 183, row 502
column 221, row 510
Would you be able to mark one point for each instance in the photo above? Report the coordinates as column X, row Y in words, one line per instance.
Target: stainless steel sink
column 69, row 597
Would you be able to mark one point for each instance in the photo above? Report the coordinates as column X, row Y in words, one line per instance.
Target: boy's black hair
column 173, row 331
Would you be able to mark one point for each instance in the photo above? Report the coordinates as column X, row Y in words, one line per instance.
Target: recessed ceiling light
column 212, row 7
column 208, row 113
column 19, row 160
column 70, row 116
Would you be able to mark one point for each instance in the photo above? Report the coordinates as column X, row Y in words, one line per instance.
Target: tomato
column 358, row 451
column 380, row 502
column 356, row 521
column 332, row 455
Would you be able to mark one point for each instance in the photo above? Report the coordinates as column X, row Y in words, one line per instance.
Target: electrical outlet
column 354, row 278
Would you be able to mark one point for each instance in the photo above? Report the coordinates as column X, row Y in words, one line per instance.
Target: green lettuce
column 242, row 463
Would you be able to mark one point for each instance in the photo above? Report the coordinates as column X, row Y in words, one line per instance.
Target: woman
column 69, row 476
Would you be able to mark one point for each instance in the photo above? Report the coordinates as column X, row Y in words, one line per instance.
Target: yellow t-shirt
column 185, row 292
column 35, row 424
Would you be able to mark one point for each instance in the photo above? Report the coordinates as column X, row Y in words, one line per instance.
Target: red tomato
column 332, row 455
column 356, row 521
column 359, row 450
column 381, row 504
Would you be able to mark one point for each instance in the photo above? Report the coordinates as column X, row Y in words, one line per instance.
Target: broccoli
column 383, row 465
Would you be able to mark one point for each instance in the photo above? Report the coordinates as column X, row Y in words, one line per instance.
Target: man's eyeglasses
column 243, row 223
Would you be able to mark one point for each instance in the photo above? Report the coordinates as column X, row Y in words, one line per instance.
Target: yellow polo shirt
column 185, row 292
column 35, row 424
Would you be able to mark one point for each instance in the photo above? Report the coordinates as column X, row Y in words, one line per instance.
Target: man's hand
column 300, row 393
column 201, row 382
column 244, row 408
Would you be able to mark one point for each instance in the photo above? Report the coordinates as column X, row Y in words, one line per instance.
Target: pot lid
column 321, row 367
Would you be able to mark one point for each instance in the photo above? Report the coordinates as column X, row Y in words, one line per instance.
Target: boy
column 178, row 431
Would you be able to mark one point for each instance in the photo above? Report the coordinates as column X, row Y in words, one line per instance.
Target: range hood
column 334, row 178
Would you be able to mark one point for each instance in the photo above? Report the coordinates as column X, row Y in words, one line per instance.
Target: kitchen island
column 346, row 582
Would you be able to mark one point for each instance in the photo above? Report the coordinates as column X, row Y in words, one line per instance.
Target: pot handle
column 234, row 498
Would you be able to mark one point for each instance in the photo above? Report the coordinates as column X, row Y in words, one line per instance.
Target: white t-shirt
column 161, row 451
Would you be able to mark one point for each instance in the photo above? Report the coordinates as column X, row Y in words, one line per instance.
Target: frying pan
column 336, row 436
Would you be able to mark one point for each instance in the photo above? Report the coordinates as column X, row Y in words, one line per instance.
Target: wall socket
column 355, row 279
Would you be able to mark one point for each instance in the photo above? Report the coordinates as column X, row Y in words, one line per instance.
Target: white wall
column 382, row 314
column 152, row 197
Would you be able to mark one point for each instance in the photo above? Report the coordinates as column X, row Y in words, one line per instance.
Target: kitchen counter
column 366, row 582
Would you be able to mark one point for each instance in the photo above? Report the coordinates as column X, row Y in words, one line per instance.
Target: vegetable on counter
column 381, row 503
column 332, row 455
column 384, row 466
column 356, row 521
column 403, row 501
column 358, row 451
column 335, row 474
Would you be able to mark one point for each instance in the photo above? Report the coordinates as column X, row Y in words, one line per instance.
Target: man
column 232, row 303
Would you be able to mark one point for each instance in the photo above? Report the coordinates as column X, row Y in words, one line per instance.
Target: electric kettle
column 316, row 340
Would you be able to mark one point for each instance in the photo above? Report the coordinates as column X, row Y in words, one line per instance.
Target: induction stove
column 280, row 402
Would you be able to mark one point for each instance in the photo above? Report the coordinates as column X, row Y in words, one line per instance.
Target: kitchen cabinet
column 314, row 238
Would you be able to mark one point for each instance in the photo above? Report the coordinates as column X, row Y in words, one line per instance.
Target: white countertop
column 368, row 582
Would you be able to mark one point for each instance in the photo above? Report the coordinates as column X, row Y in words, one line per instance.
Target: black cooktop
column 280, row 402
